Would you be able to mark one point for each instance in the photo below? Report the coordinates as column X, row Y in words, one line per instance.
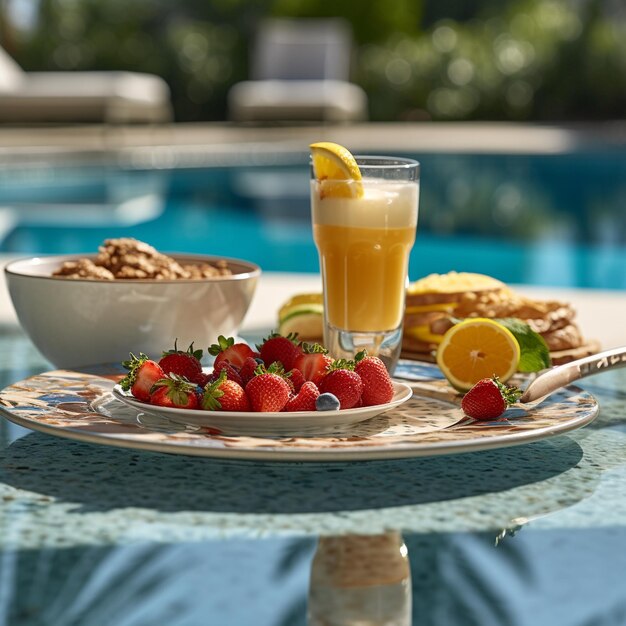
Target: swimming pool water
column 545, row 220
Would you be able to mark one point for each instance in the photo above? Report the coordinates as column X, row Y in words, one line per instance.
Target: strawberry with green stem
column 227, row 349
column 183, row 363
column 313, row 362
column 377, row 384
column 175, row 392
column 224, row 394
column 268, row 391
column 142, row 374
column 276, row 348
column 343, row 382
column 488, row 399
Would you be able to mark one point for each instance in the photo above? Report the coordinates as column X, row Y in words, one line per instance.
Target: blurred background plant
column 447, row 60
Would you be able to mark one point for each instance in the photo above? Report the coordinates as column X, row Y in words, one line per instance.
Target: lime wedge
column 297, row 300
column 304, row 319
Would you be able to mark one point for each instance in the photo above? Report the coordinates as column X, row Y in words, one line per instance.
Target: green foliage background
column 446, row 60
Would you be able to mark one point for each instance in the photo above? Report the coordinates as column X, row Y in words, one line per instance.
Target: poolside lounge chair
column 80, row 96
column 300, row 71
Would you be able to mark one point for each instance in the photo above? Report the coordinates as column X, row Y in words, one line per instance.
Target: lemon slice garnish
column 336, row 171
column 475, row 349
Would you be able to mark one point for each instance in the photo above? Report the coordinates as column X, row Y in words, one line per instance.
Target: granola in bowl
column 129, row 259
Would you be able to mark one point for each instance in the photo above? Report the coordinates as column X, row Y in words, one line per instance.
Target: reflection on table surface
column 360, row 579
column 355, row 580
column 527, row 535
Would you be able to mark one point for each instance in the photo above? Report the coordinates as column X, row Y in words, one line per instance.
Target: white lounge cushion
column 332, row 100
column 11, row 74
column 87, row 96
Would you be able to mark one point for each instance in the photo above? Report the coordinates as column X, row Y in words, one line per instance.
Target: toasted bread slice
column 565, row 356
column 448, row 288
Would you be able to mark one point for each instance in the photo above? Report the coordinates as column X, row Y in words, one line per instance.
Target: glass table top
column 525, row 535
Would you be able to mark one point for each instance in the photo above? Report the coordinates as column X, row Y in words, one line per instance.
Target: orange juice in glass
column 364, row 231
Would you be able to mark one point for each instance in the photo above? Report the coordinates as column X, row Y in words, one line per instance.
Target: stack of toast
column 436, row 301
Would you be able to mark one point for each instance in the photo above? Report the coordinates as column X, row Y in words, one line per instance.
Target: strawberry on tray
column 284, row 376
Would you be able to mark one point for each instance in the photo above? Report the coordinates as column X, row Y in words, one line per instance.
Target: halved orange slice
column 475, row 349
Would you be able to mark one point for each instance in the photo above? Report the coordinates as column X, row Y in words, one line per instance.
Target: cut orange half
column 475, row 349
column 336, row 171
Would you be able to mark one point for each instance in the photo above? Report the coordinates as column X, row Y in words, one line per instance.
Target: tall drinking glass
column 364, row 231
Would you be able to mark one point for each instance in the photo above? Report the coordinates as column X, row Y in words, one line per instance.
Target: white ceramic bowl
column 85, row 322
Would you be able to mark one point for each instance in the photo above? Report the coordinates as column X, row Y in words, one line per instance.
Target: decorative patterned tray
column 79, row 405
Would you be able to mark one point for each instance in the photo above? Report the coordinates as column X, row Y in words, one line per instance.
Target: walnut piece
column 206, row 270
column 83, row 268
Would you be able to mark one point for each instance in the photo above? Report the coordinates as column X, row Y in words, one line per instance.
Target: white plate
column 268, row 424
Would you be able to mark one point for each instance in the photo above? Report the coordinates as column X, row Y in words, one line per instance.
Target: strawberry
column 231, row 372
column 305, row 400
column 142, row 374
column 285, row 350
column 343, row 382
column 174, row 391
column 268, row 391
column 297, row 379
column 488, row 399
column 247, row 369
column 227, row 349
column 204, row 380
column 314, row 362
column 287, row 379
column 185, row 364
column 225, row 394
column 377, row 385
